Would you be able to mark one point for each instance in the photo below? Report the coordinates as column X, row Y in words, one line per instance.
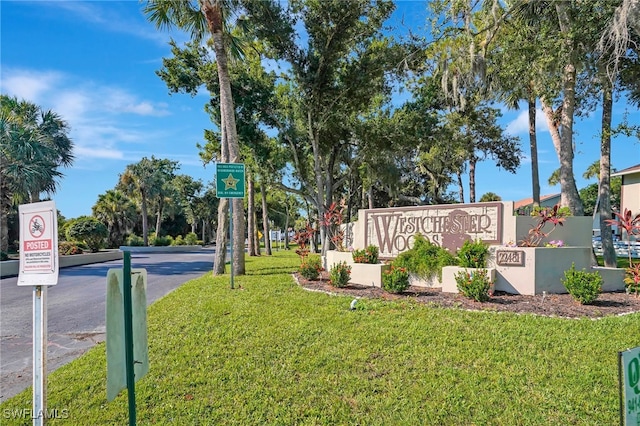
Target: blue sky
column 94, row 63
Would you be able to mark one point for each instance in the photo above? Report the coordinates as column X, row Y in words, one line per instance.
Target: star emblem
column 230, row 182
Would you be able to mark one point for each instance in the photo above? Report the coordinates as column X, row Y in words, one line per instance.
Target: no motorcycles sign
column 38, row 244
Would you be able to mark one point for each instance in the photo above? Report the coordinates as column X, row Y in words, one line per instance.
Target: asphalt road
column 76, row 311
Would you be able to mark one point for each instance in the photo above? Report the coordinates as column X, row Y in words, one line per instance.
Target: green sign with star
column 230, row 180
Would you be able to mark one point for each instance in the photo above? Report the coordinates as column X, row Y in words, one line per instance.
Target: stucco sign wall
column 448, row 226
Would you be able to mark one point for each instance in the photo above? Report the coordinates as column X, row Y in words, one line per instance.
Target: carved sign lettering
column 449, row 226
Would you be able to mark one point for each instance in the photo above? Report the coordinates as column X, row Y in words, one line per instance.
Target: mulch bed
column 556, row 305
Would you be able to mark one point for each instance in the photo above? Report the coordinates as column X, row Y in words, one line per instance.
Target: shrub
column 3, row 256
column 191, row 239
column 161, row 241
column 135, row 241
column 367, row 255
column 473, row 254
column 68, row 248
column 89, row 230
column 395, row 279
column 339, row 274
column 178, row 241
column 425, row 259
column 585, row 287
column 311, row 267
column 474, row 285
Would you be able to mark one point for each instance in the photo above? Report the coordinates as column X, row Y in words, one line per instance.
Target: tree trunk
column 564, row 144
column 159, row 216
column 145, row 220
column 213, row 15
column 533, row 144
column 5, row 207
column 472, row 180
column 568, row 188
column 604, row 191
column 223, row 209
column 265, row 219
column 286, row 227
column 251, row 223
column 460, row 188
column 256, row 240
column 317, row 168
column 221, row 237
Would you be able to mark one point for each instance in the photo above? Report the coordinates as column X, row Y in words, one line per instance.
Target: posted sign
column 630, row 366
column 38, row 244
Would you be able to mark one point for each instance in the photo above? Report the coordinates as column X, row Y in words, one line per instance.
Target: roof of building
column 628, row 171
column 529, row 201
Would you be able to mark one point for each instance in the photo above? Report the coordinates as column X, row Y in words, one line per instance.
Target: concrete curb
column 161, row 249
column 10, row 268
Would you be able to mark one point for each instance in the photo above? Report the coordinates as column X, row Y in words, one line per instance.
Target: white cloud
column 520, row 125
column 28, row 85
column 99, row 116
column 118, row 101
column 84, row 152
column 116, row 18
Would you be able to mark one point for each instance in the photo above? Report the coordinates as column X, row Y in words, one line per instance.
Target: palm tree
column 139, row 181
column 197, row 17
column 33, row 146
column 118, row 212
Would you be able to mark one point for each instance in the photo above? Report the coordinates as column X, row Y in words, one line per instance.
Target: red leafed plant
column 331, row 221
column 631, row 225
column 303, row 238
column 554, row 216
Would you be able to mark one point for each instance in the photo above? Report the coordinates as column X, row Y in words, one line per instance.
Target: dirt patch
column 556, row 305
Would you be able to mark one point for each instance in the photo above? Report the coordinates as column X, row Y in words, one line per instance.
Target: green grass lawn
column 271, row 353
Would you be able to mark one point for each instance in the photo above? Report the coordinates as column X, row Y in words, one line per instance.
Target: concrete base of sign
column 542, row 269
column 361, row 273
column 431, row 282
column 367, row 274
column 334, row 256
column 449, row 284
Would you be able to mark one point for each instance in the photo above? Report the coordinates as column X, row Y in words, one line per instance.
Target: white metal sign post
column 39, row 268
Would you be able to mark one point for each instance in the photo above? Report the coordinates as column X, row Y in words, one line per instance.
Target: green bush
column 161, row 241
column 395, row 279
column 585, row 287
column 191, row 239
column 179, row 241
column 68, row 248
column 135, row 241
column 366, row 255
column 425, row 259
column 88, row 230
column 339, row 274
column 474, row 285
column 473, row 254
column 311, row 267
